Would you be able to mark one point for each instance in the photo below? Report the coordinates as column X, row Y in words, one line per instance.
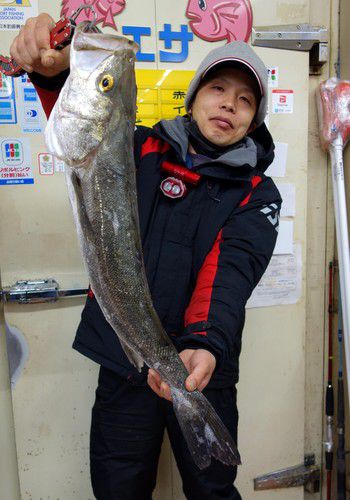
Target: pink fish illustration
column 105, row 10
column 214, row 20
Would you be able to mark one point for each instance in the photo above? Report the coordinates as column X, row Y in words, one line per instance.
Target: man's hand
column 31, row 48
column 200, row 364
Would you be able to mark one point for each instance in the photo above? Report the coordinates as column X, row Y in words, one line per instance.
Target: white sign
column 59, row 165
column 287, row 192
column 15, row 161
column 31, row 113
column 279, row 164
column 284, row 243
column 5, row 86
column 46, row 164
column 273, row 76
column 14, row 13
column 282, row 101
column 281, row 284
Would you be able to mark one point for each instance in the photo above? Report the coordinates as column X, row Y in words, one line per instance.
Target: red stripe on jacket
column 152, row 145
column 198, row 308
column 48, row 99
column 255, row 181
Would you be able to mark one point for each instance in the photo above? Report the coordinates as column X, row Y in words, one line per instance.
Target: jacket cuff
column 49, row 83
column 202, row 336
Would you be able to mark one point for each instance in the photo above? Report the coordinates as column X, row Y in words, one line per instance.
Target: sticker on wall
column 8, row 114
column 282, row 101
column 59, row 165
column 14, row 13
column 49, row 164
column 15, row 161
column 273, row 76
column 31, row 119
column 46, row 164
column 105, row 10
column 215, row 20
column 30, row 109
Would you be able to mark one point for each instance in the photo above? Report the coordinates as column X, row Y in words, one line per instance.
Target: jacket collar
column 256, row 153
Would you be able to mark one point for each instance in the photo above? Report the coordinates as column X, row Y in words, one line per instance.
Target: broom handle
column 341, row 224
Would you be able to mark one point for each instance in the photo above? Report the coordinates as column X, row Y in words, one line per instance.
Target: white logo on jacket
column 273, row 214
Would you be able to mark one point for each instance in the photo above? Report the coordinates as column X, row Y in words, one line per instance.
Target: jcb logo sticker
column 15, row 3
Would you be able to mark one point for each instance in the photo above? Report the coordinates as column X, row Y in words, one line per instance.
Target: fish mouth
column 193, row 17
column 67, row 114
column 61, row 146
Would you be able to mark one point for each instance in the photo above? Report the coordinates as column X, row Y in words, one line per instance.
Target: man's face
column 225, row 106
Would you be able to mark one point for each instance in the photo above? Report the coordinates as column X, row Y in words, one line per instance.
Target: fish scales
column 91, row 129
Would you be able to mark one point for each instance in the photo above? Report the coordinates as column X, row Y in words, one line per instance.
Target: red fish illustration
column 214, row 20
column 105, row 10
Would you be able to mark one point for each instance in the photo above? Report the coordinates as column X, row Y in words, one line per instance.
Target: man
column 204, row 253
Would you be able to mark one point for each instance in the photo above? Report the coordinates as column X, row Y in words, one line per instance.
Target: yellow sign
column 15, row 3
column 161, row 94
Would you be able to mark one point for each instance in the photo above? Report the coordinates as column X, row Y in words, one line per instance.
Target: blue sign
column 8, row 115
column 29, row 94
column 16, row 181
column 168, row 36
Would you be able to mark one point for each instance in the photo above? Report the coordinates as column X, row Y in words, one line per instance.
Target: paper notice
column 284, row 243
column 45, row 164
column 281, row 283
column 279, row 164
column 282, row 101
column 59, row 165
column 288, row 196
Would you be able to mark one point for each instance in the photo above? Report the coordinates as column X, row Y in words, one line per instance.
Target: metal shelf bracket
column 300, row 37
column 36, row 291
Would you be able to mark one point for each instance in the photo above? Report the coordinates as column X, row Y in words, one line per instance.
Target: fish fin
column 205, row 434
column 134, row 358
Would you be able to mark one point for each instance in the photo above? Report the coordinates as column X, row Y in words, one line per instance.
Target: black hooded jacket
column 204, row 253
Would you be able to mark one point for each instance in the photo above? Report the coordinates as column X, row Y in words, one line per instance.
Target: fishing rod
column 341, row 463
column 329, row 390
column 60, row 36
column 334, row 118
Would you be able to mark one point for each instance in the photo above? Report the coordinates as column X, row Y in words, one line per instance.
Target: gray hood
column 245, row 152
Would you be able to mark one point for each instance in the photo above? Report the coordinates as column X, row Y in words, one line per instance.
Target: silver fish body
column 91, row 128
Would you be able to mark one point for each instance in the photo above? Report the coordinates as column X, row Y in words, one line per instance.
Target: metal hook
column 90, row 26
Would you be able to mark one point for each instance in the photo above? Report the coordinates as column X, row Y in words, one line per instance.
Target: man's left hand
column 200, row 364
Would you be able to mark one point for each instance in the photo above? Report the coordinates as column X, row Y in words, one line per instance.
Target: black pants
column 128, row 423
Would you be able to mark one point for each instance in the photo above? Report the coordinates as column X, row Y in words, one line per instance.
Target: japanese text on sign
column 161, row 94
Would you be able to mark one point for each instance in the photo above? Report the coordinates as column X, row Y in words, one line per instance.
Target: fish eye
column 106, row 83
column 202, row 4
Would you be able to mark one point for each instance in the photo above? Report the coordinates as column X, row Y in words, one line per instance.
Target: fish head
column 99, row 94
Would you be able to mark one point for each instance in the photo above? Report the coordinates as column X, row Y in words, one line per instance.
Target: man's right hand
column 31, row 48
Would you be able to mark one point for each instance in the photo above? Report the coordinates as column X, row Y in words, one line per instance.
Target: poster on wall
column 14, row 13
column 30, row 110
column 15, row 161
column 8, row 114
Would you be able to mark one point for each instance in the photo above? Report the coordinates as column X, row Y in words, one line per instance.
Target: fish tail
column 204, row 432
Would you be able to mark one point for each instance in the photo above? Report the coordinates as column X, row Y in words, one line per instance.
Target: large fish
column 91, row 128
